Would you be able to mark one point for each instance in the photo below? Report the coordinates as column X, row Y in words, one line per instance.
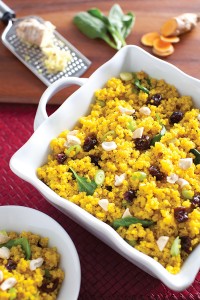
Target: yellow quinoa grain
column 154, row 199
column 29, row 282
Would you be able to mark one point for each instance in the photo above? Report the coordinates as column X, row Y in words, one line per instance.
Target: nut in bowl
column 129, row 61
column 38, row 258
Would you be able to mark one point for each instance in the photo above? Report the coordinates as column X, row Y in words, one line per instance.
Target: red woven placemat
column 105, row 274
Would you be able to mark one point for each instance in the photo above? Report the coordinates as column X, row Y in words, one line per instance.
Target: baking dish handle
column 41, row 114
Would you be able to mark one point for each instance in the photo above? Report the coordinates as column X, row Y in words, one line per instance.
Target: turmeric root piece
column 179, row 25
column 148, row 38
column 174, row 39
column 163, row 54
column 161, row 46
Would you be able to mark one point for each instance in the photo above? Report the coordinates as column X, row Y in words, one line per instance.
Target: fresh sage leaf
column 83, row 184
column 158, row 136
column 122, row 22
column 126, row 222
column 111, row 25
column 47, row 274
column 95, row 12
column 141, row 87
column 115, row 12
column 23, row 242
column 196, row 153
column 112, row 29
column 92, row 27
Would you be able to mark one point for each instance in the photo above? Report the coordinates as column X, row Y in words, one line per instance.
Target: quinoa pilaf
column 29, row 268
column 134, row 163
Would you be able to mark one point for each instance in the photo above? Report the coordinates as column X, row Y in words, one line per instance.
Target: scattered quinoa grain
column 158, row 196
column 27, row 276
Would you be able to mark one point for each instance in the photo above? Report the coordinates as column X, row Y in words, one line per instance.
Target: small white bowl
column 20, row 218
column 34, row 153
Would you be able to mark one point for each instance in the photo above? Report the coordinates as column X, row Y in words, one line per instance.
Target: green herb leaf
column 83, row 184
column 158, row 118
column 196, row 153
column 108, row 21
column 89, row 25
column 92, row 27
column 128, row 21
column 95, row 24
column 23, row 242
column 158, row 137
column 47, row 274
column 141, row 87
column 116, row 13
column 122, row 23
column 95, row 12
column 126, row 222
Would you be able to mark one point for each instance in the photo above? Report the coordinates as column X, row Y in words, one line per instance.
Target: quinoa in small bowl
column 37, row 263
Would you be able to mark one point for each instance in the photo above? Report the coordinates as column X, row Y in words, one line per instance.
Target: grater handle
column 6, row 13
column 41, row 114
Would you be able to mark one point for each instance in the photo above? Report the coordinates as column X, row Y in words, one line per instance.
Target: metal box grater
column 32, row 56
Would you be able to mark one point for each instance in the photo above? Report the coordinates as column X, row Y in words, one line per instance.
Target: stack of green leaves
column 113, row 29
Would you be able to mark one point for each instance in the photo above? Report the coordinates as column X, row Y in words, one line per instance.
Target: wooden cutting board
column 19, row 85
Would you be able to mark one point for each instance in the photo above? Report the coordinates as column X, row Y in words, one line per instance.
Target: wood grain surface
column 19, row 85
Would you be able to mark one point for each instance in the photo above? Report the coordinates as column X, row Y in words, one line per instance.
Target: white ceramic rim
column 176, row 282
